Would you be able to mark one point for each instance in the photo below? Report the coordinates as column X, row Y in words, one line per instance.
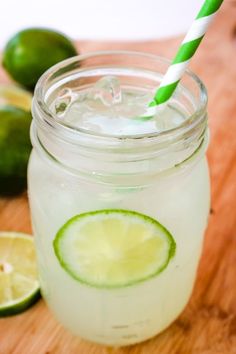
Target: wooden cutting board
column 208, row 324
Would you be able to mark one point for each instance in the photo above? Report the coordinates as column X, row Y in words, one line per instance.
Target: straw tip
column 152, row 104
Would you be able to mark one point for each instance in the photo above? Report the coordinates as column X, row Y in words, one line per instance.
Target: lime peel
column 19, row 285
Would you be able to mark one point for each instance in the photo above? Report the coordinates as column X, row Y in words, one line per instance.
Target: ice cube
column 64, row 100
column 167, row 118
column 107, row 90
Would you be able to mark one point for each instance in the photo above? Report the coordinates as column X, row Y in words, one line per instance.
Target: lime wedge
column 113, row 248
column 19, row 286
column 15, row 96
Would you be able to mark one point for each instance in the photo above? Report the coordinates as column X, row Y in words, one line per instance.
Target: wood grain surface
column 208, row 324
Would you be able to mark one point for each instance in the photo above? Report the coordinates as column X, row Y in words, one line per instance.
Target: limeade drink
column 119, row 203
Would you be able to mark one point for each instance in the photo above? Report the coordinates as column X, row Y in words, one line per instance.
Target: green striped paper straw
column 187, row 49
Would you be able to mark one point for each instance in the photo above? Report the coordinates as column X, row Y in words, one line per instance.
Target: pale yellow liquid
column 135, row 313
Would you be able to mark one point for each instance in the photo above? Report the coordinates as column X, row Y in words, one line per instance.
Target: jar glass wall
column 162, row 175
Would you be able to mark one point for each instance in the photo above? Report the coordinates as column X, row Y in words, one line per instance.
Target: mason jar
column 161, row 175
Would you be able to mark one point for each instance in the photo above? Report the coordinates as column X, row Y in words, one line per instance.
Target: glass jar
column 163, row 175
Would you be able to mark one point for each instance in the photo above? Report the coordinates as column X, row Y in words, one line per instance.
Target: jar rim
column 52, row 120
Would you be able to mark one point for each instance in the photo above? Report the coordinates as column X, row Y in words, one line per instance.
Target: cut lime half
column 113, row 248
column 19, row 286
column 15, row 96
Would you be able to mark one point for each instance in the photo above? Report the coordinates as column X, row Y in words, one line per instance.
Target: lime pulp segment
column 113, row 248
column 15, row 96
column 19, row 286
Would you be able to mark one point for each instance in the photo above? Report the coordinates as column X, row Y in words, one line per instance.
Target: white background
column 100, row 19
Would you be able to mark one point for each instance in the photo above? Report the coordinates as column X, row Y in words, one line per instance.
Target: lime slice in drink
column 113, row 248
column 15, row 96
column 19, row 286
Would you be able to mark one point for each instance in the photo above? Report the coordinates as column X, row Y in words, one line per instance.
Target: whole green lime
column 32, row 51
column 15, row 148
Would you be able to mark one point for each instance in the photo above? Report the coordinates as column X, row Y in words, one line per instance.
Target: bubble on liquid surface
column 112, row 109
